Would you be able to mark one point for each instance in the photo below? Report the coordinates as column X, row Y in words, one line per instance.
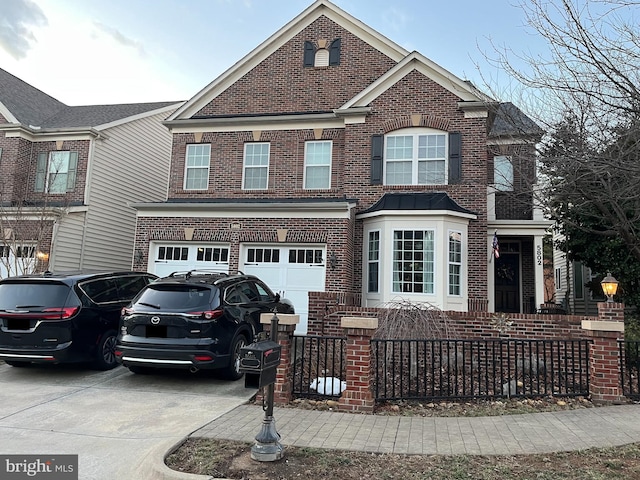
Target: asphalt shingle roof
column 31, row 107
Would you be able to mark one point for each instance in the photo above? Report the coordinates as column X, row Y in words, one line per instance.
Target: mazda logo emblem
column 155, row 320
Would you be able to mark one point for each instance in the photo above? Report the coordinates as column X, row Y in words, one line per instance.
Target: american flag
column 496, row 245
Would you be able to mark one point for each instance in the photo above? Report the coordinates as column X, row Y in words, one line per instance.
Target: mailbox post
column 259, row 362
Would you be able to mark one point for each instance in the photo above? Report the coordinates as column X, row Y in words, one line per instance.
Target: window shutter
column 71, row 173
column 377, row 145
column 334, row 52
column 41, row 171
column 455, row 157
column 309, row 54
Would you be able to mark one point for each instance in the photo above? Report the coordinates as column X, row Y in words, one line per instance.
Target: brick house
column 68, row 176
column 331, row 159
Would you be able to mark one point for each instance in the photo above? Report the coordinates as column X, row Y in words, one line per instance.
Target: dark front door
column 507, row 282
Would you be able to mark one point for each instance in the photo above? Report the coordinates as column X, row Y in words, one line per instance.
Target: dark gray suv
column 195, row 320
column 64, row 317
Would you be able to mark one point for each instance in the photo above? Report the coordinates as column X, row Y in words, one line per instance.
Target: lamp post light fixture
column 609, row 287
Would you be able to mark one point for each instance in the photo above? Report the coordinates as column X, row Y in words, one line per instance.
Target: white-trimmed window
column 414, row 261
column 196, row 173
column 373, row 262
column 503, row 173
column 455, row 262
column 317, row 164
column 416, row 157
column 56, row 172
column 256, row 166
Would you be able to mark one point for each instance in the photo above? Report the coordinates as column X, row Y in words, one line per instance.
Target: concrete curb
column 153, row 466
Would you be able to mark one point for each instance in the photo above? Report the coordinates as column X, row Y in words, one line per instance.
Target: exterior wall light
column 42, row 256
column 609, row 287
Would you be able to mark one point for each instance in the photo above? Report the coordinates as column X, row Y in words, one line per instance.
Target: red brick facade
column 277, row 85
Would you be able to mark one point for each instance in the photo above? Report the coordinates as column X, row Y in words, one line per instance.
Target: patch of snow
column 328, row 385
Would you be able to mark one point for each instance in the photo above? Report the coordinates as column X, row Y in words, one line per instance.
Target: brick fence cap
column 283, row 318
column 369, row 323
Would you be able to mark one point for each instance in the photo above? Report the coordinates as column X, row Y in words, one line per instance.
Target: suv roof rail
column 199, row 271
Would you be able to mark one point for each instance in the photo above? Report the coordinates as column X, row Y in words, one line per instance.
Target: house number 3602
column 539, row 254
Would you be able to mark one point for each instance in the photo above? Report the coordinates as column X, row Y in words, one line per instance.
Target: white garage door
column 293, row 271
column 180, row 257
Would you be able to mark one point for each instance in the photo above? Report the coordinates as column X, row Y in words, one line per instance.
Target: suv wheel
column 233, row 370
column 106, row 351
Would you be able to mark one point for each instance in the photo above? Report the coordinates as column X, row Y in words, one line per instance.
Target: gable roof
column 278, row 39
column 405, row 62
column 415, row 61
column 21, row 103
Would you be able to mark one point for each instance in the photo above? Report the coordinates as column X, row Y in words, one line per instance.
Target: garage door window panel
column 212, row 254
column 173, row 253
column 263, row 255
column 307, row 256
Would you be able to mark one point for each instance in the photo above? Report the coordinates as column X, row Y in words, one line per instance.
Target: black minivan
column 65, row 317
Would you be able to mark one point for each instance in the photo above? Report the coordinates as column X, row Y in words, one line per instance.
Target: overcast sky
column 120, row 51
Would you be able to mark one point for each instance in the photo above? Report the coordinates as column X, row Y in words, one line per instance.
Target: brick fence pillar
column 286, row 326
column 604, row 358
column 358, row 397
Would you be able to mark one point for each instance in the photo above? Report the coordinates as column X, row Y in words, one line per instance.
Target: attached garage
column 290, row 270
column 167, row 258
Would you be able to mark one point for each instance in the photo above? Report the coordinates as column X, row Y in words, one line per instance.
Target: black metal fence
column 319, row 366
column 485, row 368
column 630, row 368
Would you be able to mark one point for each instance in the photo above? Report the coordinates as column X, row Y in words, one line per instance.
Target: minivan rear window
column 175, row 297
column 33, row 295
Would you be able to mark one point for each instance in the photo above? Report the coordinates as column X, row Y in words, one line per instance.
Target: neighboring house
column 578, row 289
column 331, row 159
column 68, row 177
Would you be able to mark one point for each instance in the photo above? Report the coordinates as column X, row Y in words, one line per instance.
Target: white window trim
column 377, row 261
column 416, row 132
column 187, row 168
column 450, row 263
column 304, row 180
column 245, row 167
column 434, row 234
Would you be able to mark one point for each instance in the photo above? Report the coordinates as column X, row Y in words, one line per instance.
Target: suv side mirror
column 277, row 298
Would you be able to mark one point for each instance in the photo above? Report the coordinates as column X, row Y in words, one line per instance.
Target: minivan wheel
column 233, row 370
column 106, row 351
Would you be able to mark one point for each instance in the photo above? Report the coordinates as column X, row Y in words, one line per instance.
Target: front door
column 507, row 279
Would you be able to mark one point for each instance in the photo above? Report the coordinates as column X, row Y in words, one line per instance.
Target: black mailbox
column 259, row 362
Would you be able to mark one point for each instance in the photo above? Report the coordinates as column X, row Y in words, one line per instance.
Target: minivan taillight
column 208, row 314
column 58, row 313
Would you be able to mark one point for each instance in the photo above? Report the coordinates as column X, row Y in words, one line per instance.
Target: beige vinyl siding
column 131, row 165
column 67, row 243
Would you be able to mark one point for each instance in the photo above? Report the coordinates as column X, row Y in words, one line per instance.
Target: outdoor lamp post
column 609, row 287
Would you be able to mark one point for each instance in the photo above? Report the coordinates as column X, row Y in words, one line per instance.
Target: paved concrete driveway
column 119, row 424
